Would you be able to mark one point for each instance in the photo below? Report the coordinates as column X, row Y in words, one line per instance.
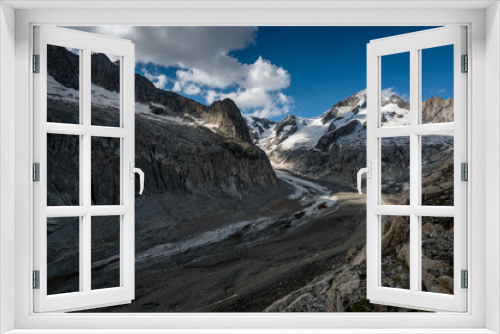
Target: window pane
column 395, row 73
column 395, row 232
column 63, row 85
column 437, row 84
column 105, row 252
column 437, row 254
column 63, row 170
column 105, row 102
column 395, row 168
column 105, row 171
column 63, row 255
column 437, row 170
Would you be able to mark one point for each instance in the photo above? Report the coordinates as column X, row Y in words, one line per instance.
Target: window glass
column 105, row 252
column 63, row 85
column 395, row 248
column 63, row 255
column 395, row 94
column 437, row 85
column 105, row 97
column 395, row 169
column 63, row 170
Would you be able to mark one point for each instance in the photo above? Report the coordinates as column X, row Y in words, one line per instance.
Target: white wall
column 482, row 105
column 7, row 164
column 492, row 164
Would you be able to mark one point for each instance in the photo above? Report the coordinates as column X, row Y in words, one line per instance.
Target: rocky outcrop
column 286, row 127
column 342, row 289
column 226, row 115
column 437, row 110
column 334, row 134
column 180, row 158
column 340, row 108
column 394, row 99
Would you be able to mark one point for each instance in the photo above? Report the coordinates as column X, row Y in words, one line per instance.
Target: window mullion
column 85, row 246
column 414, row 170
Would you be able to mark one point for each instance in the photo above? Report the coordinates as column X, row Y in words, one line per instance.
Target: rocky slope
column 343, row 288
column 197, row 160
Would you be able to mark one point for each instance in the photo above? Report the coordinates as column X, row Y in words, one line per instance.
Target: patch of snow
column 395, row 116
column 100, row 97
column 205, row 238
column 302, row 187
column 306, row 136
column 167, row 119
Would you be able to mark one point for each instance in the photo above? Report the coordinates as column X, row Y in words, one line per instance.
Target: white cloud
column 388, row 92
column 160, row 80
column 264, row 74
column 206, row 66
column 191, row 89
column 211, row 96
column 258, row 92
column 202, row 52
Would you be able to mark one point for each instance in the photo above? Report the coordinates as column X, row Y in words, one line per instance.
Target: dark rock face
column 289, row 121
column 227, row 116
column 188, row 159
column 175, row 158
column 105, row 73
column 337, row 162
column 331, row 137
column 63, row 66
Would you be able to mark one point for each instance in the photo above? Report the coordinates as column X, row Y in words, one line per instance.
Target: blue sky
column 272, row 71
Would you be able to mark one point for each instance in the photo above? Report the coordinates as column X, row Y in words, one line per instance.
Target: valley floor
column 250, row 254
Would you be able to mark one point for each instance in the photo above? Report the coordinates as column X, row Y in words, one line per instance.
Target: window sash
column 412, row 43
column 86, row 297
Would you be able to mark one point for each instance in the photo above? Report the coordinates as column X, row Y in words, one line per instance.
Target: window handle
column 139, row 171
column 368, row 171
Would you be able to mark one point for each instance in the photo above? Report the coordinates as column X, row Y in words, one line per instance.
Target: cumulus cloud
column 388, row 92
column 201, row 52
column 160, row 80
column 205, row 65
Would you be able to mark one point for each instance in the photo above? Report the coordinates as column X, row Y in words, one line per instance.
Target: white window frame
column 413, row 43
column 484, row 50
column 86, row 297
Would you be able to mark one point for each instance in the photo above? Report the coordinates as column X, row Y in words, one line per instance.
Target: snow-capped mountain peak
column 344, row 124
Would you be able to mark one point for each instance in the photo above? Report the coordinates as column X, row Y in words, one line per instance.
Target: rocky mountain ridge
column 334, row 143
column 182, row 144
column 221, row 115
